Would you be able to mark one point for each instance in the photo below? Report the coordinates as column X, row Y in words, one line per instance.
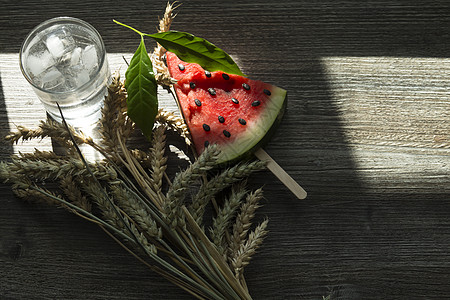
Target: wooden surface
column 366, row 133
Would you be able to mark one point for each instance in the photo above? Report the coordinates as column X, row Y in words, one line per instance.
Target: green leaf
column 140, row 83
column 193, row 49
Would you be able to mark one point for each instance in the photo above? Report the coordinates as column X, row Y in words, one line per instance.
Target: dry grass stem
column 138, row 173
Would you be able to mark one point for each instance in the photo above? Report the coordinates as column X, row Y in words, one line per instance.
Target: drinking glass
column 64, row 60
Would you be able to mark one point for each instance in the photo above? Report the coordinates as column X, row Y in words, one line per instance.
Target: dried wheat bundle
column 128, row 194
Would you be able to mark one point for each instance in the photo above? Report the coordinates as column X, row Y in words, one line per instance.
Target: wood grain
column 366, row 133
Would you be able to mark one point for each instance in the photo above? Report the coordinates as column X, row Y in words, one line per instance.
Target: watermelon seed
column 246, row 86
column 242, row 121
column 198, row 102
column 206, row 127
column 192, row 85
column 267, row 92
column 256, row 103
column 235, row 101
column 225, row 76
column 181, row 67
column 206, row 144
column 207, row 73
column 221, row 119
column 212, row 91
column 226, row 133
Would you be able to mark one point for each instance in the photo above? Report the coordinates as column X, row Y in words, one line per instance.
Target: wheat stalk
column 248, row 249
column 114, row 116
column 47, row 128
column 225, row 215
column 158, row 159
column 183, row 180
column 243, row 223
column 174, row 123
column 35, row 196
column 219, row 183
column 73, row 192
column 59, row 167
column 162, row 74
column 136, row 210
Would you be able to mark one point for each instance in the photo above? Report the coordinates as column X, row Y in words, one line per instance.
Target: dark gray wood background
column 366, row 133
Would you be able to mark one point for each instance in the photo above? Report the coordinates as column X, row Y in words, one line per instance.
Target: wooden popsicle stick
column 281, row 174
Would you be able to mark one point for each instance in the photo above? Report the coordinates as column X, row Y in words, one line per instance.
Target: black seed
column 235, row 101
column 267, row 92
column 226, row 133
column 221, row 119
column 207, row 73
column 256, row 103
column 242, row 121
column 192, row 85
column 206, row 144
column 198, row 102
column 181, row 67
column 246, row 86
column 225, row 76
column 212, row 91
column 206, row 127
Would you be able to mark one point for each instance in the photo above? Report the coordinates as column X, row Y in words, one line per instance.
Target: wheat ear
column 174, row 123
column 219, row 183
column 248, row 249
column 114, row 116
column 74, row 194
column 158, row 159
column 243, row 222
column 162, row 74
column 48, row 128
column 177, row 191
column 221, row 223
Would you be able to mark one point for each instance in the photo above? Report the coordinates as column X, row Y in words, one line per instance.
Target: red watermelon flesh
column 233, row 111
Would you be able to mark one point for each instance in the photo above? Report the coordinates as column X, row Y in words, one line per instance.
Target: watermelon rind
column 259, row 134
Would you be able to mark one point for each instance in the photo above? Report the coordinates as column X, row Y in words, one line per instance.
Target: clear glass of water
column 64, row 60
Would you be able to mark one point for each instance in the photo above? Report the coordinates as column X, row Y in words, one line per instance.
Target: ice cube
column 76, row 76
column 52, row 80
column 82, row 77
column 55, row 45
column 39, row 62
column 75, row 57
column 60, row 42
column 89, row 57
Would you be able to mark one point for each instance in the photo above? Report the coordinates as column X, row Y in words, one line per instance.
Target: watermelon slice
column 237, row 113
